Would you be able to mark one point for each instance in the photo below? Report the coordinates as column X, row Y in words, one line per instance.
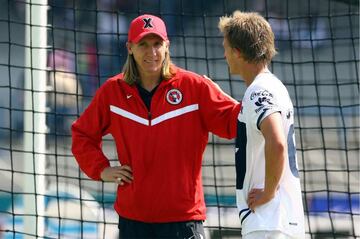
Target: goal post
column 35, row 118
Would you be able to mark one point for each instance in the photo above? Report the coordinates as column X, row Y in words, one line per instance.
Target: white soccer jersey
column 284, row 212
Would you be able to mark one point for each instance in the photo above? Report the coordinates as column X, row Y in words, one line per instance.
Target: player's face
column 230, row 56
column 149, row 54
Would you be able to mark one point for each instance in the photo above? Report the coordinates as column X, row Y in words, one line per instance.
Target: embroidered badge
column 174, row 96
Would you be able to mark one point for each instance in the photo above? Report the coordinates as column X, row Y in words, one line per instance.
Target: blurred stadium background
column 42, row 191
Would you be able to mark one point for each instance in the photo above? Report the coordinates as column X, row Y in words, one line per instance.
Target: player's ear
column 237, row 52
column 128, row 47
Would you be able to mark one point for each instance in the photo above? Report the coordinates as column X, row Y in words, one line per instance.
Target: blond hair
column 251, row 34
column 131, row 73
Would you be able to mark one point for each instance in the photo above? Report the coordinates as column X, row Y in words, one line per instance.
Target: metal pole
column 34, row 118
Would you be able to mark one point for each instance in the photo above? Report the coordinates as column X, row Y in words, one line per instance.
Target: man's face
column 149, row 54
column 230, row 56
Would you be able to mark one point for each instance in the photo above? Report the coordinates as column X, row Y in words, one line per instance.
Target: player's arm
column 87, row 132
column 275, row 147
column 219, row 110
column 86, row 147
column 87, row 150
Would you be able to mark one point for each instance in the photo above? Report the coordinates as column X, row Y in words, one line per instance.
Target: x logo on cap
column 147, row 22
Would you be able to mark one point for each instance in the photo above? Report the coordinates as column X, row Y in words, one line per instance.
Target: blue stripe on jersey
column 246, row 215
column 260, row 118
column 240, row 155
column 243, row 210
column 292, row 152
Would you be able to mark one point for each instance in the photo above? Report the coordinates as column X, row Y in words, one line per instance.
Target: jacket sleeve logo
column 174, row 96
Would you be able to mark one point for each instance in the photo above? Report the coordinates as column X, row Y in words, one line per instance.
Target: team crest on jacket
column 174, row 96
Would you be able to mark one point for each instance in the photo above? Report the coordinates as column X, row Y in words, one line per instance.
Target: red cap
column 144, row 25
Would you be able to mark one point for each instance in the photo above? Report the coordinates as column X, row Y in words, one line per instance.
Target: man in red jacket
column 159, row 116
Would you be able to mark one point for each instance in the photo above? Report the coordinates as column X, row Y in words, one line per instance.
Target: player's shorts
column 268, row 235
column 135, row 229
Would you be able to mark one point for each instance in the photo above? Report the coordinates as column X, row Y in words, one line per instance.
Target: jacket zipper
column 149, row 117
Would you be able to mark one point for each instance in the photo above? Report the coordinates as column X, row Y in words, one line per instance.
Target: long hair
column 131, row 73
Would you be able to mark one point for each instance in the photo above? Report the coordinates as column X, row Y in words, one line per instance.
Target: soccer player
column 159, row 116
column 267, row 182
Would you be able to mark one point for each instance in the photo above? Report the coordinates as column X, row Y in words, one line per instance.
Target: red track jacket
column 163, row 147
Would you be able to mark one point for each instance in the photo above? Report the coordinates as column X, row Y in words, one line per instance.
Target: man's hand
column 118, row 174
column 258, row 197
